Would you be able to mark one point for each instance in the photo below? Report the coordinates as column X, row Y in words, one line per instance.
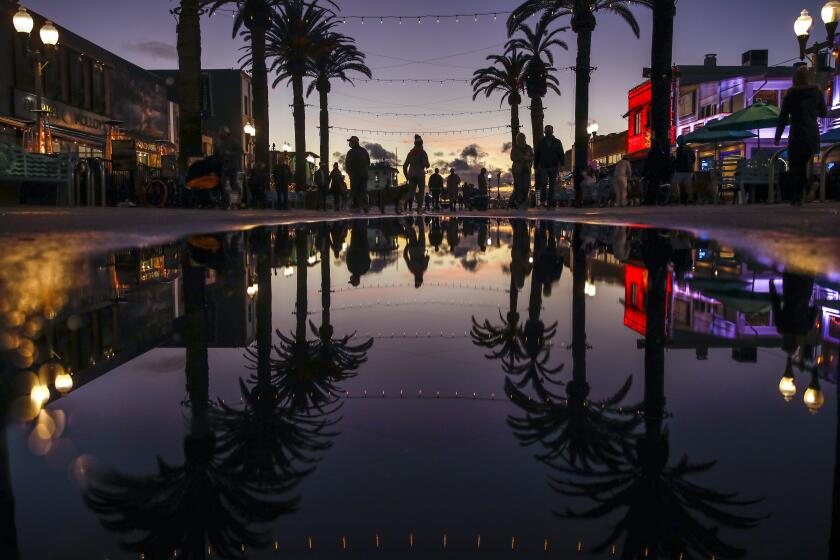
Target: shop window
column 637, row 122
column 247, row 109
column 688, row 103
column 768, row 96
column 24, row 65
column 75, row 64
column 98, row 88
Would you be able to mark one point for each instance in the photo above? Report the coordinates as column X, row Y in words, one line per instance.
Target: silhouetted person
column 414, row 169
column 453, row 181
column 549, row 157
column 282, row 178
column 322, row 182
column 522, row 156
column 357, row 165
column 684, row 160
column 229, row 150
column 436, row 187
column 337, row 186
column 803, row 105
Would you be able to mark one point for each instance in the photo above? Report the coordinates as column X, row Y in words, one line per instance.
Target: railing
column 771, row 185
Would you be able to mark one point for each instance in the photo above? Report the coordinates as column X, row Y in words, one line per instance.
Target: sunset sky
column 144, row 32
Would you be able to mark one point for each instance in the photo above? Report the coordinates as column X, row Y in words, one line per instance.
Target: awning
column 756, row 116
column 708, row 136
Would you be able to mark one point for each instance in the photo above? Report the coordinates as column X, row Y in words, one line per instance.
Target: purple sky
column 144, row 32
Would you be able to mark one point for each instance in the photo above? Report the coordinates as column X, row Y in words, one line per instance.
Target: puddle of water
column 475, row 387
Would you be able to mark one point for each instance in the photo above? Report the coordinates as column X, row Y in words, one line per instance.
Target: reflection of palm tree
column 662, row 507
column 503, row 339
column 201, row 503
column 582, row 432
column 8, row 527
column 834, row 538
column 266, row 438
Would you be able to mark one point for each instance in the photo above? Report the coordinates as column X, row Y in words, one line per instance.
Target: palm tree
column 188, row 30
column 666, row 514
column 299, row 32
column 202, row 503
column 255, row 16
column 334, row 64
column 661, row 78
column 537, row 44
column 506, row 76
column 583, row 23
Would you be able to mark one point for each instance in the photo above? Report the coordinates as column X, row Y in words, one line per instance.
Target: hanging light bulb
column 787, row 384
column 814, row 398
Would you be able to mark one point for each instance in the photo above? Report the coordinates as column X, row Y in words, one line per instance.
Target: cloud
column 473, row 151
column 378, row 152
column 506, row 147
column 438, row 154
column 155, row 49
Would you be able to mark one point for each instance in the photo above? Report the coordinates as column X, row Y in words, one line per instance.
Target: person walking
column 522, row 156
column 802, row 106
column 414, row 169
column 337, row 187
column 549, row 156
column 229, row 152
column 436, row 187
column 621, row 177
column 357, row 166
column 282, row 178
column 322, row 182
column 453, row 181
column 682, row 181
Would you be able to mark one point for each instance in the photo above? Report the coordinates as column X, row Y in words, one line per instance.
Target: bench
column 18, row 167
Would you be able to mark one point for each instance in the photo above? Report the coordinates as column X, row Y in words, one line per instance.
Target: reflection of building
column 635, row 297
column 84, row 87
column 226, row 100
column 708, row 92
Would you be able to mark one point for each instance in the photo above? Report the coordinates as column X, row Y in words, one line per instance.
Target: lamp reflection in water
column 814, row 398
column 787, row 384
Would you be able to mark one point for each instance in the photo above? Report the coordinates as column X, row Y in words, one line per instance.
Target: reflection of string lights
column 453, row 285
column 379, row 304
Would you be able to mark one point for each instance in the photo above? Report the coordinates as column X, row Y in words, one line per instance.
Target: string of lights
column 379, row 114
column 439, row 81
column 424, row 132
column 470, row 17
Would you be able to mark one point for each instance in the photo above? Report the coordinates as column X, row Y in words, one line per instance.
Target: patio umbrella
column 830, row 137
column 707, row 136
column 756, row 116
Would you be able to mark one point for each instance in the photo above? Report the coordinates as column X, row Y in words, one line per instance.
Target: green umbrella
column 707, row 136
column 756, row 116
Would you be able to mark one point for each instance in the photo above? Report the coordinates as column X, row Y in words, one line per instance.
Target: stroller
column 204, row 188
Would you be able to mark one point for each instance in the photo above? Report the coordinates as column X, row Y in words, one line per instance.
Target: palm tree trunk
column 537, row 119
column 656, row 261
column 302, row 299
column 299, row 115
column 514, row 121
column 578, row 309
column 323, row 93
column 583, row 23
column 263, row 250
column 834, row 535
column 259, row 81
column 188, row 30
column 657, row 166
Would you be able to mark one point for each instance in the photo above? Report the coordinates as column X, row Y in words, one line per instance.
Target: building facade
column 709, row 92
column 226, row 101
column 90, row 96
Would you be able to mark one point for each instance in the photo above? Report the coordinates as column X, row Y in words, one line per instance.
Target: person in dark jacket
column 684, row 160
column 549, row 157
column 322, row 181
column 282, row 178
column 803, row 105
column 414, row 169
column 453, row 181
column 337, row 187
column 357, row 166
column 436, row 187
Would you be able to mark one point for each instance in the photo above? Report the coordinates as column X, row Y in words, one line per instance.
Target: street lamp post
column 802, row 27
column 23, row 24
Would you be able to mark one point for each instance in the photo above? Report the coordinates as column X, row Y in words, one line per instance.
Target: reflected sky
column 422, row 387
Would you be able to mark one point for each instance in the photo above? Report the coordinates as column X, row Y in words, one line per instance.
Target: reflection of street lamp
column 48, row 33
column 286, row 147
column 787, row 384
column 592, row 129
column 814, row 397
column 802, row 27
column 252, row 289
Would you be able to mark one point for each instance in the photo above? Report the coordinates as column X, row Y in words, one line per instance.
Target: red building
column 639, row 121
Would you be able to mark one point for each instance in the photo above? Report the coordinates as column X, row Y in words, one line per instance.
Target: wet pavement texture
column 461, row 387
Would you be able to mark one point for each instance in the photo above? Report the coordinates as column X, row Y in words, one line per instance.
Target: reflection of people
column 415, row 254
column 358, row 253
column 357, row 165
column 229, row 150
column 794, row 315
column 803, row 105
